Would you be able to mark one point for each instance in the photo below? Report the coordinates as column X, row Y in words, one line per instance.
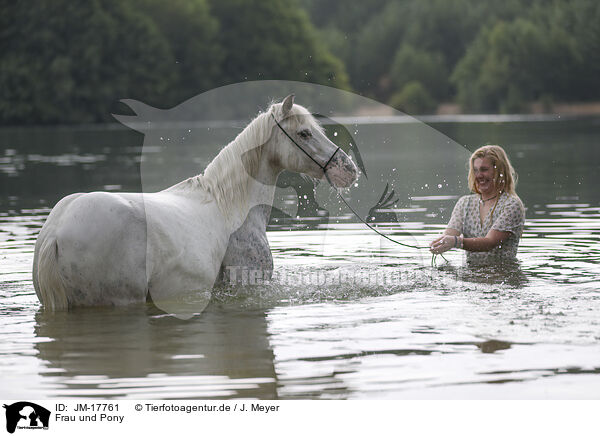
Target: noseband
column 323, row 167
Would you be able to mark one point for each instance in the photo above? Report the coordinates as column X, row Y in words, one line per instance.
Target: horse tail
column 50, row 286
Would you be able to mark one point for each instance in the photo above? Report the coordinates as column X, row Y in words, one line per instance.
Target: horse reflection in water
column 140, row 352
column 121, row 248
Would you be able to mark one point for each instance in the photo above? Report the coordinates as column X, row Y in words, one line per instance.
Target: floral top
column 508, row 216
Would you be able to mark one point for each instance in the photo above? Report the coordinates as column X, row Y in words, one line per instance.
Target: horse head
column 303, row 147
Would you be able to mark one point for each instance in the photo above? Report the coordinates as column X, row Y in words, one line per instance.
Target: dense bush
column 486, row 55
column 70, row 62
column 64, row 62
column 413, row 99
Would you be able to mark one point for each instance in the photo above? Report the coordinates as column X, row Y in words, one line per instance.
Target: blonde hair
column 505, row 177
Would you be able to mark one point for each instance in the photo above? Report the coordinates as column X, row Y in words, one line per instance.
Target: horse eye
column 305, row 133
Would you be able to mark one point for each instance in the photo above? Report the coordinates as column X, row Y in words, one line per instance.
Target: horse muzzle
column 342, row 172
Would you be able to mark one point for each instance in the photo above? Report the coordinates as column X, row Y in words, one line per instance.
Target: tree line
column 488, row 56
column 70, row 62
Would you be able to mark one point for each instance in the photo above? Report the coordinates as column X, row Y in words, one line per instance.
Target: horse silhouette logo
column 26, row 415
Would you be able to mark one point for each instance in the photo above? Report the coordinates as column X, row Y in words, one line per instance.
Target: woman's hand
column 442, row 244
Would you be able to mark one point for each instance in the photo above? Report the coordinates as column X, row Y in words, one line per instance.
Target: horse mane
column 228, row 176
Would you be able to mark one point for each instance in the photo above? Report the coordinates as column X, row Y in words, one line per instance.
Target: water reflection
column 506, row 274
column 140, row 352
column 39, row 166
column 493, row 345
column 295, row 204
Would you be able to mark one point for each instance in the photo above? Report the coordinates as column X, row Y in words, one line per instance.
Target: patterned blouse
column 509, row 216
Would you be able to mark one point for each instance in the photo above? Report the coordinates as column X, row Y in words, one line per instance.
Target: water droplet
column 439, row 186
column 334, row 133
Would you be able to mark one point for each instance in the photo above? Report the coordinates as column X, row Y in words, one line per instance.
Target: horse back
column 98, row 243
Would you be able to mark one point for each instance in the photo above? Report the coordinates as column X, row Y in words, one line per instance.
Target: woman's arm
column 450, row 236
column 451, row 239
column 451, row 232
column 493, row 239
column 449, row 242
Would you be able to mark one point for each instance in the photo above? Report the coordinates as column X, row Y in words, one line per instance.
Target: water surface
column 348, row 315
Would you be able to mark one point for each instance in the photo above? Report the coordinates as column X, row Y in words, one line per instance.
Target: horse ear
column 288, row 102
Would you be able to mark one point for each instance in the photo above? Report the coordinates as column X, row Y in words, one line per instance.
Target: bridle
column 323, row 167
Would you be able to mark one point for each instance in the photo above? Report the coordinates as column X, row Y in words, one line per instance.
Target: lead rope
column 324, row 168
column 433, row 256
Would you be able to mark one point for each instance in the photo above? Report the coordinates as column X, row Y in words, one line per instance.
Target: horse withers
column 103, row 248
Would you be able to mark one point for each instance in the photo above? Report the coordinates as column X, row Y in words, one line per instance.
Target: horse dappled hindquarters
column 104, row 248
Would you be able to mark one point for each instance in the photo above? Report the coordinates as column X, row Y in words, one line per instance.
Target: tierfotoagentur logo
column 244, row 276
column 26, row 415
column 277, row 173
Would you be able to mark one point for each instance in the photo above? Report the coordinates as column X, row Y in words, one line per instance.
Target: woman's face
column 484, row 175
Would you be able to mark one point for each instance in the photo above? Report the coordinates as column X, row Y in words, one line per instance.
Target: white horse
column 105, row 248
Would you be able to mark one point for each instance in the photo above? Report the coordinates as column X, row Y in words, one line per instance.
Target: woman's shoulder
column 514, row 208
column 467, row 198
column 463, row 202
column 513, row 199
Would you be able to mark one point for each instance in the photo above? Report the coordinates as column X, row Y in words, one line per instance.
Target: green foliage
column 443, row 26
column 496, row 56
column 428, row 68
column 70, row 62
column 413, row 99
column 434, row 26
column 516, row 63
column 580, row 22
column 341, row 14
column 191, row 32
column 65, row 63
column 374, row 49
column 271, row 40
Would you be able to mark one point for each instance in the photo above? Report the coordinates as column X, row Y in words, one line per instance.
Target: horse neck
column 242, row 176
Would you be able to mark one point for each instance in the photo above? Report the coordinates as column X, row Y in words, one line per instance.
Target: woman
column 487, row 224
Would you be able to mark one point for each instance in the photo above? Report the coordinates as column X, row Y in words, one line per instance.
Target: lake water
column 348, row 314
